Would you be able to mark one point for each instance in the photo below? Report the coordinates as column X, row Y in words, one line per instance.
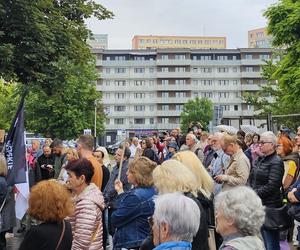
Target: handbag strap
column 2, row 205
column 61, row 235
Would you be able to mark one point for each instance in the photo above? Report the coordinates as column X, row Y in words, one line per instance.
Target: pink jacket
column 86, row 222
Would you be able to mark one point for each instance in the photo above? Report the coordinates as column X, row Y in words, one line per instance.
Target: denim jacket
column 174, row 245
column 130, row 217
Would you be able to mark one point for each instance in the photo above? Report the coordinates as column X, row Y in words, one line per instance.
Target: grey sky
column 230, row 18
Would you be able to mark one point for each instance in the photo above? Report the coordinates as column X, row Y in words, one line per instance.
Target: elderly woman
column 134, row 206
column 50, row 203
column 239, row 217
column 172, row 176
column 266, row 180
column 89, row 203
column 173, row 229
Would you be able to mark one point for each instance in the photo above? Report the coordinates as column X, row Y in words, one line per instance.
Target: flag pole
column 121, row 163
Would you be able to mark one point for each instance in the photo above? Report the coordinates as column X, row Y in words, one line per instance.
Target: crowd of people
column 194, row 191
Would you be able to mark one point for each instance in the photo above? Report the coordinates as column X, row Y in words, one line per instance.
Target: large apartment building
column 259, row 38
column 146, row 90
column 178, row 42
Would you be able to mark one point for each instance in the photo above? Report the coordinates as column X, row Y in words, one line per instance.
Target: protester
column 192, row 144
column 60, row 157
column 172, row 149
column 106, row 159
column 86, row 222
column 255, row 148
column 134, row 206
column 85, row 147
column 44, row 166
column 266, row 179
column 50, row 203
column 208, row 152
column 134, row 146
column 172, row 228
column 99, row 155
column 71, row 156
column 290, row 160
column 3, row 194
column 110, row 194
column 239, row 217
column 172, row 176
column 238, row 169
column 148, row 150
column 205, row 183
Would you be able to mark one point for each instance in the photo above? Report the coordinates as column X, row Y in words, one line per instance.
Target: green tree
column 197, row 110
column 8, row 103
column 43, row 47
column 283, row 76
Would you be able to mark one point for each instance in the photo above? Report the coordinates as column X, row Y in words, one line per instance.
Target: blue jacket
column 174, row 245
column 133, row 209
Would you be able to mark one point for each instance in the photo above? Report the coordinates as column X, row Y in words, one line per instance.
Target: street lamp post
column 95, row 124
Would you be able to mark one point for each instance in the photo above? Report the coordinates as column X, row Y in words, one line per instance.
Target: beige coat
column 237, row 172
column 87, row 220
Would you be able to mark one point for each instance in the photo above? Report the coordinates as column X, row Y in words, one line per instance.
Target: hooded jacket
column 86, row 222
column 246, row 242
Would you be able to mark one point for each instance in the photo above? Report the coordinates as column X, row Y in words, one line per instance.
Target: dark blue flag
column 15, row 148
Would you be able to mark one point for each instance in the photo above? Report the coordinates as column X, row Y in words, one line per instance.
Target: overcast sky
column 230, row 18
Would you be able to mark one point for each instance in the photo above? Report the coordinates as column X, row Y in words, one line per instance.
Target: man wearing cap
column 172, row 149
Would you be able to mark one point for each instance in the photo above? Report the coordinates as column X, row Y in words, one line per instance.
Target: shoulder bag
column 62, row 235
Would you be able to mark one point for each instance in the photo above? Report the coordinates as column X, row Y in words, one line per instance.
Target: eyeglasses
column 150, row 221
column 264, row 142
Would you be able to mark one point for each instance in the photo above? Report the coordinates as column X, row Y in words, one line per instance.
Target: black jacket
column 266, row 179
column 42, row 173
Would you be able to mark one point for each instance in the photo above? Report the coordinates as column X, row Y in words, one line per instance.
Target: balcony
column 173, row 62
column 252, row 62
column 173, row 74
column 124, row 63
column 251, row 74
column 168, row 113
column 181, row 87
column 215, row 63
column 172, row 99
column 250, row 87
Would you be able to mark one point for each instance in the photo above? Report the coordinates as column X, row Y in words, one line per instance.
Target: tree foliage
column 197, row 110
column 43, row 46
column 283, row 76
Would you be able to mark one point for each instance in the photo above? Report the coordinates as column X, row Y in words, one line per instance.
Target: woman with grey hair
column 173, row 228
column 239, row 217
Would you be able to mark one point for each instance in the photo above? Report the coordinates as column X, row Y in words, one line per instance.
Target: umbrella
column 250, row 129
column 228, row 129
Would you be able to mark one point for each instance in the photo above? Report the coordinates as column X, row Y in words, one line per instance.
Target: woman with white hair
column 239, row 217
column 173, row 228
column 266, row 180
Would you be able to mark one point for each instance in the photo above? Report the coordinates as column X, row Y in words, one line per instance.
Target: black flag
column 15, row 148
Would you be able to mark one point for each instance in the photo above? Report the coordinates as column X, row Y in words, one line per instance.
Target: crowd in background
column 178, row 191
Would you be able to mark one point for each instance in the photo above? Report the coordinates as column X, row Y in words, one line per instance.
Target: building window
column 139, row 95
column 151, row 108
column 221, row 58
column 107, row 70
column 223, row 82
column 249, row 69
column 107, row 95
column 139, row 83
column 207, row 94
column 139, row 108
column 151, row 120
column 164, row 69
column 195, row 82
column 120, row 83
column 206, row 82
column 107, row 121
column 206, row 70
column 180, row 94
column 151, row 95
column 120, row 58
column 195, row 70
column 248, row 56
column 119, row 95
column 139, row 121
column 178, row 107
column 164, row 94
column 223, row 94
column 249, row 81
column 107, row 82
column 164, row 82
column 119, row 121
column 225, row 107
column 180, row 82
column 236, row 107
column 120, row 70
column 151, row 70
column 234, row 69
column 222, row 70
column 164, row 57
column 179, row 57
column 139, row 58
column 179, row 69
column 119, row 108
column 139, row 70
column 165, row 107
column 235, row 82
column 164, row 120
column 264, row 57
column 151, row 83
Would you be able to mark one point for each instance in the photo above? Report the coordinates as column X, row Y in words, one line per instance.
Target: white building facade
column 146, row 90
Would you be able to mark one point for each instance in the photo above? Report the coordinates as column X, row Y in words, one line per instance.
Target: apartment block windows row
column 119, row 108
column 180, row 82
column 139, row 108
column 139, row 70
